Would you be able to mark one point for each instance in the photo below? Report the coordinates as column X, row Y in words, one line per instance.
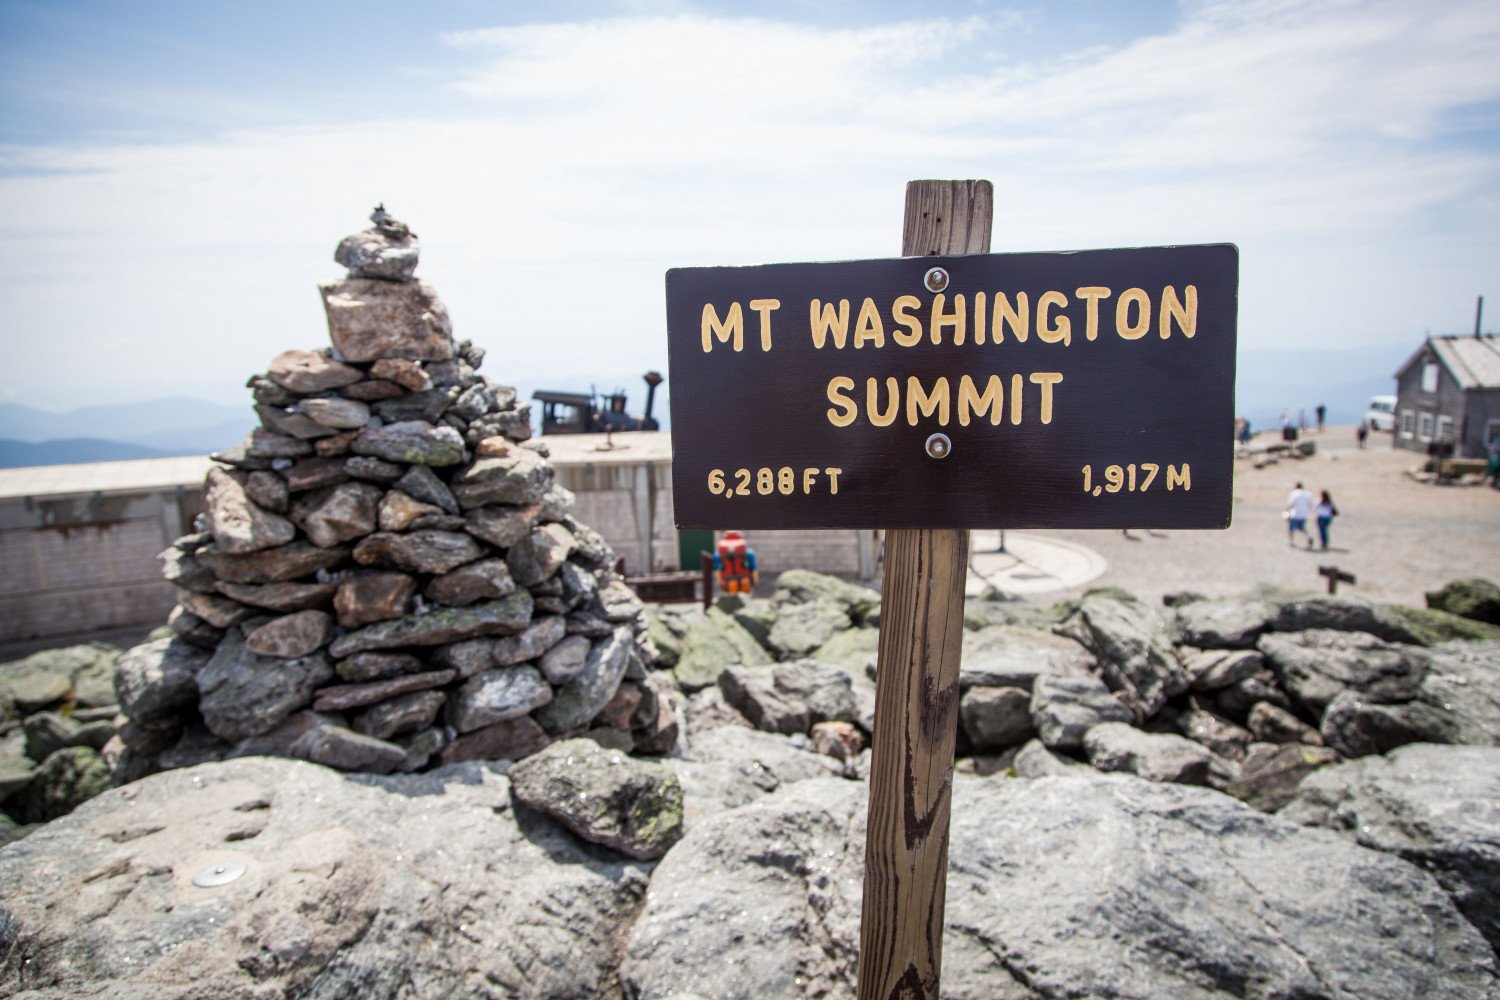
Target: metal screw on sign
column 938, row 446
column 222, row 873
column 936, row 279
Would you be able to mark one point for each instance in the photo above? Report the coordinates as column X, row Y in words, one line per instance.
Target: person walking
column 1363, row 432
column 1325, row 512
column 1299, row 505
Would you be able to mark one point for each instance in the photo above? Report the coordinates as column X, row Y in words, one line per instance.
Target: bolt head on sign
column 1092, row 389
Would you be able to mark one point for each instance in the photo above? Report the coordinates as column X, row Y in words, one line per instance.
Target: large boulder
column 709, row 643
column 1014, row 656
column 1063, row 709
column 789, row 697
column 1475, row 598
column 1199, row 897
column 1116, row 746
column 1227, row 623
column 1463, row 684
column 1391, row 622
column 801, row 628
column 729, row 766
column 764, row 902
column 245, row 694
column 1133, row 647
column 1315, row 665
column 801, row 586
column 1436, row 806
column 604, row 796
column 82, row 673
column 380, row 888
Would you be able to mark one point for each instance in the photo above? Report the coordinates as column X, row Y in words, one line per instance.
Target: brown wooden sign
column 1092, row 389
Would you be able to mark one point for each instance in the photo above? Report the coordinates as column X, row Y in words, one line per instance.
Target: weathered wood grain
column 916, row 695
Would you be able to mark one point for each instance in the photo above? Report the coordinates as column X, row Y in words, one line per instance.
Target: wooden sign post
column 916, row 686
column 945, row 390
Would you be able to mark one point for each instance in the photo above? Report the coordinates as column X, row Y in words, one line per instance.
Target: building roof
column 1474, row 362
column 136, row 476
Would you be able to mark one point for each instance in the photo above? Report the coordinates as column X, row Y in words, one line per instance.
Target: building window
column 1425, row 427
column 1445, row 428
column 1408, row 423
column 1429, row 377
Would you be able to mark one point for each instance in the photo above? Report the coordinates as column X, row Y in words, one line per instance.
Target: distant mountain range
column 1266, row 382
column 152, row 428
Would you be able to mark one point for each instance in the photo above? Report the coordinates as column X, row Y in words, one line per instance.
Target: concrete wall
column 84, row 563
column 80, row 563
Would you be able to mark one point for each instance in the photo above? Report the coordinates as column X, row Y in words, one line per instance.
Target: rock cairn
column 387, row 576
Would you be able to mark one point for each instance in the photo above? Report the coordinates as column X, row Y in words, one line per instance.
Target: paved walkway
column 1022, row 564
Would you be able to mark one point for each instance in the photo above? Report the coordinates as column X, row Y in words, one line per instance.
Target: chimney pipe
column 653, row 379
column 1478, row 314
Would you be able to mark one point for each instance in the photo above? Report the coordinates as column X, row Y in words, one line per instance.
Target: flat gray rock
column 382, row 888
column 412, row 442
column 439, row 627
column 579, row 700
column 1117, row 746
column 1315, row 665
column 1013, row 656
column 789, row 697
column 1133, row 647
column 1063, row 709
column 237, row 524
column 243, row 694
column 604, row 796
column 1227, row 623
column 158, row 679
column 1436, row 806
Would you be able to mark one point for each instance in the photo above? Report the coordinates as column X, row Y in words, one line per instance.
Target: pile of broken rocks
column 387, row 576
column 732, row 866
column 1246, row 695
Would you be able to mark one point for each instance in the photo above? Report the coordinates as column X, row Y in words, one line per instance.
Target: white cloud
column 569, row 165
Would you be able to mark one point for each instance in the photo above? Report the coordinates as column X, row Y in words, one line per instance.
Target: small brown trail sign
column 863, row 394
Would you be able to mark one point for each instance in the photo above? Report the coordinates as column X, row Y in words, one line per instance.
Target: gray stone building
column 1448, row 392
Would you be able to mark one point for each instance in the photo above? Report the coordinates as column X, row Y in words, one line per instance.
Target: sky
column 174, row 176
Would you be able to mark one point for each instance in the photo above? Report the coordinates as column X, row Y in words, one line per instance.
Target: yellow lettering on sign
column 1060, row 331
column 972, row 401
column 869, row 327
column 930, row 404
column 1046, row 380
column 763, row 309
column 1091, row 294
column 732, row 328
column 957, row 319
column 837, row 385
column 824, row 319
column 1186, row 314
column 872, row 398
column 1123, row 326
column 901, row 312
column 1018, row 318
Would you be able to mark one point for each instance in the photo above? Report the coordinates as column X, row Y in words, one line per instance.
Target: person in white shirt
column 1298, row 505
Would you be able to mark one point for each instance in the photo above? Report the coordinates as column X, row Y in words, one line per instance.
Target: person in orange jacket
column 735, row 563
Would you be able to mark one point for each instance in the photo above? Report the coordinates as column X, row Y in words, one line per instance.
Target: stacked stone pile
column 387, row 575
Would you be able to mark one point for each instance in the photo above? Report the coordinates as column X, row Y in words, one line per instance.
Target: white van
column 1381, row 414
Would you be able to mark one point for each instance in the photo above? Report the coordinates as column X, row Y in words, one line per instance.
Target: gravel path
column 1400, row 538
